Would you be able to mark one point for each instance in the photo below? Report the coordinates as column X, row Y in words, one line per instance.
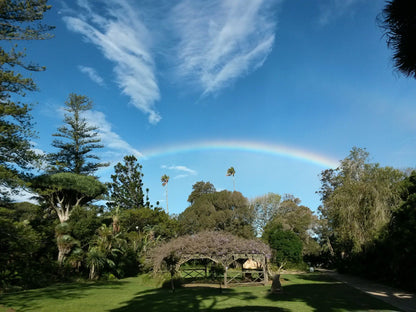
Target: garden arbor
column 222, row 248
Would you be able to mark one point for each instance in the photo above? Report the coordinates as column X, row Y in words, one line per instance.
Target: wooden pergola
column 221, row 248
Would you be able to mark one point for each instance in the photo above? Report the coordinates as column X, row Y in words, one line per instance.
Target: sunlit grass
column 308, row 292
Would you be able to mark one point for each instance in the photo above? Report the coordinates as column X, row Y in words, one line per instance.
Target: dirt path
column 405, row 301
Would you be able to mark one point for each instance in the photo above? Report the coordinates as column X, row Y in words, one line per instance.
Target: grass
column 305, row 292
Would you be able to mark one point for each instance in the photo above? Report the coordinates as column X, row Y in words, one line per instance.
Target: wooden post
column 225, row 277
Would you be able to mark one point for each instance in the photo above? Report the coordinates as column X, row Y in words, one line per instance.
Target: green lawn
column 307, row 292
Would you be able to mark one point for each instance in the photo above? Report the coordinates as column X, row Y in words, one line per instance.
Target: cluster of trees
column 367, row 219
column 88, row 239
column 67, row 233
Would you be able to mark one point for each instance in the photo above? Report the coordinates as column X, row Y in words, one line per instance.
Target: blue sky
column 281, row 90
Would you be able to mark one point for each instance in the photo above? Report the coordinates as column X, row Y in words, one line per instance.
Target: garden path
column 406, row 301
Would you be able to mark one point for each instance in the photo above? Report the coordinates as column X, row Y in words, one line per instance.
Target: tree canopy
column 63, row 191
column 220, row 211
column 287, row 246
column 126, row 189
column 358, row 200
column 201, row 188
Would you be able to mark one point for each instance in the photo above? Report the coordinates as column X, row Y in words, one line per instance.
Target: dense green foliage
column 358, row 201
column 201, row 188
column 286, row 245
column 147, row 218
column 297, row 219
column 368, row 220
column 77, row 140
column 61, row 192
column 18, row 20
column 391, row 257
column 219, row 211
column 401, row 238
column 26, row 241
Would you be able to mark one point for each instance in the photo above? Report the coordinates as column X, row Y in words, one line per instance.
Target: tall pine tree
column 77, row 139
column 126, row 189
column 19, row 20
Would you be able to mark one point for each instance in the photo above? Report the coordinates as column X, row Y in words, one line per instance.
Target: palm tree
column 231, row 172
column 398, row 20
column 165, row 179
column 104, row 248
column 96, row 260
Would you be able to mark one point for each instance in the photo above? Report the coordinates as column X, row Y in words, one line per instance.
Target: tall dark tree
column 126, row 189
column 286, row 245
column 19, row 20
column 402, row 237
column 398, row 20
column 78, row 140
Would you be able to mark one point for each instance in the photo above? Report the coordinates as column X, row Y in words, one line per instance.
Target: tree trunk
column 265, row 273
column 92, row 272
column 172, row 283
column 61, row 256
column 63, row 250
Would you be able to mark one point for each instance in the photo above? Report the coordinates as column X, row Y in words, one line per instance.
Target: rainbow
column 243, row 146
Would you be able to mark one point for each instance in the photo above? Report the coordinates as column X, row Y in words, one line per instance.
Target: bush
column 286, row 245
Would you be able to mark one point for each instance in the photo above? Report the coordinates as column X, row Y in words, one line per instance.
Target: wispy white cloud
column 110, row 139
column 123, row 39
column 183, row 171
column 222, row 40
column 333, row 9
column 213, row 42
column 92, row 74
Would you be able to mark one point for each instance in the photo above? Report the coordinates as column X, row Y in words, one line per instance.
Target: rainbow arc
column 244, row 146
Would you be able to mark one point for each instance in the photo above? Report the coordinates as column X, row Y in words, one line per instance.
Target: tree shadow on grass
column 319, row 292
column 326, row 294
column 192, row 299
column 26, row 300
